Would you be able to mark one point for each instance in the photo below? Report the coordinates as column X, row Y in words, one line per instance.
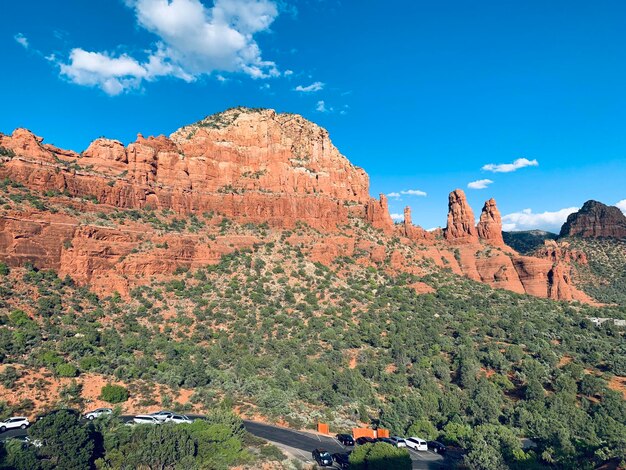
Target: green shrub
column 19, row 318
column 422, row 428
column 89, row 363
column 4, row 269
column 66, row 370
column 379, row 456
column 50, row 358
column 114, row 393
column 271, row 452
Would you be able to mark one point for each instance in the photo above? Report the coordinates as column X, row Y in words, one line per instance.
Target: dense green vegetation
column 604, row 276
column 63, row 442
column 379, row 456
column 114, row 393
column 269, row 331
column 525, row 242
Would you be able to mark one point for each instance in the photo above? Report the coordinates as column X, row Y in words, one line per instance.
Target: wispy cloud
column 312, row 88
column 21, row 40
column 509, row 167
column 397, row 217
column 322, row 108
column 407, row 192
column 414, row 192
column 479, row 184
column 193, row 40
column 527, row 220
column 622, row 205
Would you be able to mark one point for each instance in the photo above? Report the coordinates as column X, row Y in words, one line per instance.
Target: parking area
column 300, row 444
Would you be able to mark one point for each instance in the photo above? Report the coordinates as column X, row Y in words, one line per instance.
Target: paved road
column 304, row 443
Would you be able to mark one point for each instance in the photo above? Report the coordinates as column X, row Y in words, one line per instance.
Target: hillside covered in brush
column 269, row 333
column 241, row 264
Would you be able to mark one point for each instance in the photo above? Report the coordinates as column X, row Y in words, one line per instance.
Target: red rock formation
column 460, row 227
column 261, row 166
column 560, row 251
column 378, row 214
column 253, row 166
column 411, row 231
column 489, row 227
column 595, row 220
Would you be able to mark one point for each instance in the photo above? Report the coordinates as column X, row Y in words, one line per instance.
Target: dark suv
column 437, row 447
column 322, row 457
column 345, row 439
column 365, row 440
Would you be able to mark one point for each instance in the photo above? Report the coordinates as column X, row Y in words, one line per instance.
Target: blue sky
column 424, row 95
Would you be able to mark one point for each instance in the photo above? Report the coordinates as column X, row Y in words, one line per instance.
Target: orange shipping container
column 323, row 428
column 363, row 432
column 382, row 432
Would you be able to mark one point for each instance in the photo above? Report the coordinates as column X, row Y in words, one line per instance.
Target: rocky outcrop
column 561, row 251
column 255, row 165
column 489, row 226
column 460, row 227
column 595, row 220
column 544, row 278
column 377, row 214
column 411, row 231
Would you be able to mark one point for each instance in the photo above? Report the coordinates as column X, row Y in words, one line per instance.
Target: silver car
column 162, row 415
column 398, row 441
column 178, row 419
column 146, row 419
column 97, row 413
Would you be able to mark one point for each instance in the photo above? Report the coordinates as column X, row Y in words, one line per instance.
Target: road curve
column 303, row 441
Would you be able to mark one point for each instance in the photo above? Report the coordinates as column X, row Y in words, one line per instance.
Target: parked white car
column 398, row 441
column 146, row 419
column 162, row 415
column 97, row 413
column 416, row 443
column 178, row 419
column 14, row 423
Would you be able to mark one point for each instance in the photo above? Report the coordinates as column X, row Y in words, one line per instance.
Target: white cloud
column 407, row 192
column 312, row 88
column 622, row 205
column 413, row 192
column 527, row 220
column 112, row 74
column 509, row 167
column 397, row 217
column 322, row 108
column 479, row 184
column 21, row 40
column 193, row 40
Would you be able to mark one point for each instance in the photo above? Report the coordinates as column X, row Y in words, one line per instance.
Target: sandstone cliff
column 489, row 227
column 250, row 166
column 460, row 227
column 254, row 165
column 595, row 220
